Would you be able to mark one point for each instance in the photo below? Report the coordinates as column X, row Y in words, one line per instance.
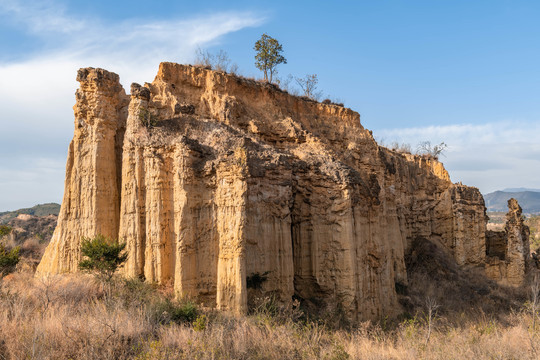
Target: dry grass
column 68, row 317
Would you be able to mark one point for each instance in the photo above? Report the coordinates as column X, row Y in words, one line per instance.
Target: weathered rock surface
column 91, row 203
column 508, row 253
column 211, row 179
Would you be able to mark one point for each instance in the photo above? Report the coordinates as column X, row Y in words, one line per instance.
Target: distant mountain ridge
column 521, row 189
column 528, row 200
column 38, row 210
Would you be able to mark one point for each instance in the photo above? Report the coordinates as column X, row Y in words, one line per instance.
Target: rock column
column 91, row 203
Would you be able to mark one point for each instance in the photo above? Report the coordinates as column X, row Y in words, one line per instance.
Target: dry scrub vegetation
column 69, row 317
column 450, row 314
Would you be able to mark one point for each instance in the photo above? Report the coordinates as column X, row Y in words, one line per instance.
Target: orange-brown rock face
column 508, row 251
column 91, row 203
column 219, row 180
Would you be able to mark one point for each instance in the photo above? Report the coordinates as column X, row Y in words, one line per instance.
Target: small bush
column 8, row 259
column 402, row 148
column 333, row 102
column 103, row 256
column 266, row 307
column 135, row 292
column 147, row 118
column 4, row 230
column 200, row 323
column 219, row 61
column 168, row 311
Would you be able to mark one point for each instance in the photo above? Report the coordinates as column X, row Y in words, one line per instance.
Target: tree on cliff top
column 268, row 56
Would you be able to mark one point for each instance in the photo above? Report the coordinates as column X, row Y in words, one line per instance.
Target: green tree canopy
column 102, row 255
column 268, row 56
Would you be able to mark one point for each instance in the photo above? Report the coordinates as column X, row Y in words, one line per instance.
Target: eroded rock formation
column 508, row 251
column 211, row 179
column 91, row 203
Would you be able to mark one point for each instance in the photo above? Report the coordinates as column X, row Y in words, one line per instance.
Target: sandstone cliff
column 212, row 179
column 91, row 203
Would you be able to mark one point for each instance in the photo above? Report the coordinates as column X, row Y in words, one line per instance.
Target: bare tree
column 425, row 148
column 308, row 84
column 219, row 61
column 285, row 83
column 203, row 58
column 431, row 312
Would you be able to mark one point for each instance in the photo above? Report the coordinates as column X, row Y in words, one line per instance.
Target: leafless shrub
column 337, row 101
column 49, row 319
column 219, row 61
column 308, row 84
column 430, row 315
column 285, row 84
column 434, row 151
column 233, row 69
column 403, row 148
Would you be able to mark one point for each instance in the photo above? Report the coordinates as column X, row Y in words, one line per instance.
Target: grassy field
column 70, row 317
column 448, row 313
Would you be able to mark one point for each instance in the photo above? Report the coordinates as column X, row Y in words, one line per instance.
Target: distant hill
column 520, row 190
column 528, row 200
column 38, row 210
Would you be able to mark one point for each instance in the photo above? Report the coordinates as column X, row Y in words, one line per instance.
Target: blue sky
column 463, row 72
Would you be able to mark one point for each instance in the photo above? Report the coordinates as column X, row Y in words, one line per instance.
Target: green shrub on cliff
column 147, row 118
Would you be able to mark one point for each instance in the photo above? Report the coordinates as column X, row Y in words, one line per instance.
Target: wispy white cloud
column 37, row 92
column 40, row 16
column 491, row 156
